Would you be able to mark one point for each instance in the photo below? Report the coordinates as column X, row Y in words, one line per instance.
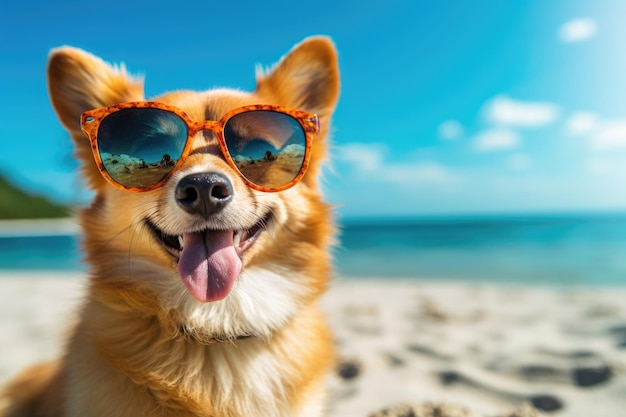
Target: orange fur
column 143, row 346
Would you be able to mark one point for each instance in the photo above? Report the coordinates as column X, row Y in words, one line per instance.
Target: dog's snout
column 204, row 194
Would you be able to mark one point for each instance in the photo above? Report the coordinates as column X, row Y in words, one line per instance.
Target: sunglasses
column 138, row 145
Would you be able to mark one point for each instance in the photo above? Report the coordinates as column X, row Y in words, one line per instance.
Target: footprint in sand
column 349, row 369
column 543, row 402
column 446, row 410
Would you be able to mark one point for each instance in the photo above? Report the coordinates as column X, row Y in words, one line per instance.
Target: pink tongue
column 209, row 264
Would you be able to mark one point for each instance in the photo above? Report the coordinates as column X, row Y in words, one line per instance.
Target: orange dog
column 207, row 242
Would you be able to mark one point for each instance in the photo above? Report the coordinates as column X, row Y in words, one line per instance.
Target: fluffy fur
column 143, row 346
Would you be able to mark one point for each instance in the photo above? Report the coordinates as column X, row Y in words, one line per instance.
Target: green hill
column 18, row 204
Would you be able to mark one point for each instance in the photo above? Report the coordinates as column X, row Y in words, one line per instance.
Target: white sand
column 495, row 346
column 35, row 311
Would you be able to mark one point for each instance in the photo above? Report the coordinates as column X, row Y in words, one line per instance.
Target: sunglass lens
column 140, row 146
column 268, row 147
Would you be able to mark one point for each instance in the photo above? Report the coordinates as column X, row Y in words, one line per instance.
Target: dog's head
column 204, row 247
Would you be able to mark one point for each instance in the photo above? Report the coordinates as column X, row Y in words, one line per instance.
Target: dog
column 205, row 271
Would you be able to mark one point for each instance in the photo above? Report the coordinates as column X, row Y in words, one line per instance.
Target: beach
column 411, row 347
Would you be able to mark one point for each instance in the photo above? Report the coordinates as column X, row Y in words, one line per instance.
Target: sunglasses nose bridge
column 201, row 140
column 208, row 125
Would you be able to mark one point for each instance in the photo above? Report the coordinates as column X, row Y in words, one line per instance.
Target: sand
column 412, row 348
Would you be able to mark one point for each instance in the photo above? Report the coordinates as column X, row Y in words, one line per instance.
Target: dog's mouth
column 242, row 239
column 209, row 261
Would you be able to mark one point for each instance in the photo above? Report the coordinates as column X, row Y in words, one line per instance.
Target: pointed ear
column 79, row 81
column 307, row 78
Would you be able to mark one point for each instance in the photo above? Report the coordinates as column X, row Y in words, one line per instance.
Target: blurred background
column 481, row 140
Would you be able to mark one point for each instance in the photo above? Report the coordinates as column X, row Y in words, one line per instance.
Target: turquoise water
column 57, row 252
column 551, row 249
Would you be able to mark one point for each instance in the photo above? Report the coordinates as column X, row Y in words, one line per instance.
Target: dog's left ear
column 307, row 78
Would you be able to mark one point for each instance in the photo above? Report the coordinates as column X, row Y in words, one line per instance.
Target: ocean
column 554, row 249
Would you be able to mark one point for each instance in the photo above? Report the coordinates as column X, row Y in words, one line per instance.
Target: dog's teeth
column 237, row 238
column 180, row 241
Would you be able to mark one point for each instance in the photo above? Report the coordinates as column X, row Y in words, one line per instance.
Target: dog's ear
column 307, row 78
column 79, row 81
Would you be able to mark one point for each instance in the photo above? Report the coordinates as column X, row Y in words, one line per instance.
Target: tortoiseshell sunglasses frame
column 91, row 120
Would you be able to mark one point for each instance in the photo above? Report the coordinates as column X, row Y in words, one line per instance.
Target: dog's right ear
column 79, row 81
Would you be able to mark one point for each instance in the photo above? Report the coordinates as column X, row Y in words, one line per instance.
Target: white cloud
column 601, row 135
column 371, row 159
column 429, row 187
column 506, row 111
column 366, row 157
column 581, row 123
column 609, row 136
column 577, row 30
column 450, row 130
column 422, row 172
column 496, row 139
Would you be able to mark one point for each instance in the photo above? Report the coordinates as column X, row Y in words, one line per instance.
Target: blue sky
column 447, row 107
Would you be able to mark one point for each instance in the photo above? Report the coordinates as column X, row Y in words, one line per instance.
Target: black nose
column 204, row 194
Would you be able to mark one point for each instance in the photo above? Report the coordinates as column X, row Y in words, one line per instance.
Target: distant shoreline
column 39, row 227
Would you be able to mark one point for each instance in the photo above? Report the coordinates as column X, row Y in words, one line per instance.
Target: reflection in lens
column 139, row 147
column 267, row 147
